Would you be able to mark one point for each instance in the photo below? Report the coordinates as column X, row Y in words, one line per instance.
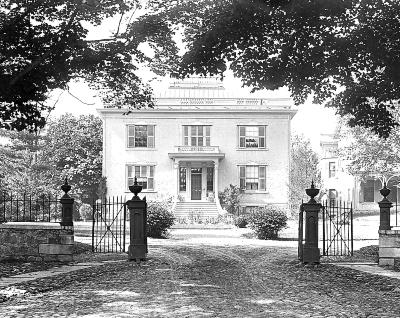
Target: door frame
column 199, row 177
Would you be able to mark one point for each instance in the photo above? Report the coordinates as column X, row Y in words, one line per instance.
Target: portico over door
column 196, row 176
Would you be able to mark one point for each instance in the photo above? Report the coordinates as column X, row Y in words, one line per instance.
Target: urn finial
column 312, row 192
column 135, row 188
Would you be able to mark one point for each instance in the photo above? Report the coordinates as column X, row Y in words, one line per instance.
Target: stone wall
column 28, row 241
column 389, row 248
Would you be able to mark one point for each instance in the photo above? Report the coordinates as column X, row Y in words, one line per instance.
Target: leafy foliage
column 345, row 52
column 368, row 155
column 44, row 46
column 159, row 218
column 267, row 221
column 74, row 149
column 37, row 163
column 22, row 166
column 241, row 221
column 230, row 197
column 303, row 169
column 86, row 211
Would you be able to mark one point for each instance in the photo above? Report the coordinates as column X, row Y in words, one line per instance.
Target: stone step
column 196, row 209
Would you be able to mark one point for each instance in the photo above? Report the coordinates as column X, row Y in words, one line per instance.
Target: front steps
column 196, row 210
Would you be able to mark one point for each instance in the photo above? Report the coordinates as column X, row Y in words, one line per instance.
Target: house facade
column 197, row 141
column 339, row 184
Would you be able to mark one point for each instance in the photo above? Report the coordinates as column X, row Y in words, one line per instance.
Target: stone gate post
column 384, row 207
column 67, row 206
column 138, row 219
column 311, row 254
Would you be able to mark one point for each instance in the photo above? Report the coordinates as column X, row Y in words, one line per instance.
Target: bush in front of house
column 230, row 198
column 267, row 221
column 241, row 221
column 159, row 218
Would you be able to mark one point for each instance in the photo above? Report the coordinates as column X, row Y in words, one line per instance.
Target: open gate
column 109, row 225
column 337, row 228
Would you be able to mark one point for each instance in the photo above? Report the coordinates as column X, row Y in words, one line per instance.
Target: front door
column 196, row 184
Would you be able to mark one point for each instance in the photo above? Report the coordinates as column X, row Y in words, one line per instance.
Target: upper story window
column 252, row 137
column 140, row 136
column 252, row 177
column 196, row 135
column 332, row 169
column 144, row 175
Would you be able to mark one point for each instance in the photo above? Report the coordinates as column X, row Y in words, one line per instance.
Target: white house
column 339, row 184
column 198, row 140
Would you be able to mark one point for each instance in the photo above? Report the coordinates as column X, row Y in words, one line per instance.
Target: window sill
column 252, row 149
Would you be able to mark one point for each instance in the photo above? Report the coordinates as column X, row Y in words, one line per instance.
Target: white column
column 176, row 167
column 216, row 166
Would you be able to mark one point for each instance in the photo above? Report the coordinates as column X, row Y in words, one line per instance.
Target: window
column 369, row 191
column 252, row 177
column 196, row 135
column 210, row 179
column 141, row 136
column 144, row 175
column 332, row 169
column 182, row 179
column 252, row 137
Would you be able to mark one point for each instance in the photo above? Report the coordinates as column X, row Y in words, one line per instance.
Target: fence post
column 384, row 207
column 138, row 219
column 311, row 254
column 67, row 204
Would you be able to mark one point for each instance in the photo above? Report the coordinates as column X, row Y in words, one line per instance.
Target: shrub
column 230, row 198
column 241, row 221
column 159, row 218
column 267, row 221
column 86, row 211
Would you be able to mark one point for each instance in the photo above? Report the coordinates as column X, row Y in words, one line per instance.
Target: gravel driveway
column 214, row 275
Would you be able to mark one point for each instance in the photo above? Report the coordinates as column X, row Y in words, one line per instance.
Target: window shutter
column 262, row 177
column 150, row 136
column 242, row 177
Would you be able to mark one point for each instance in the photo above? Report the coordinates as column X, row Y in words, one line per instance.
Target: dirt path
column 183, row 278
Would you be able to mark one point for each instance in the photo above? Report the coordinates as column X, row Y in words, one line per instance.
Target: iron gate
column 337, row 228
column 109, row 225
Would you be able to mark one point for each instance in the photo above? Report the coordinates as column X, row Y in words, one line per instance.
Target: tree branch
column 77, row 98
column 35, row 63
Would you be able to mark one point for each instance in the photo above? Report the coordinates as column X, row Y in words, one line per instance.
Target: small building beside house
column 339, row 184
column 199, row 139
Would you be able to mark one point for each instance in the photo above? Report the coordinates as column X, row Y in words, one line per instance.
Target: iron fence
column 29, row 208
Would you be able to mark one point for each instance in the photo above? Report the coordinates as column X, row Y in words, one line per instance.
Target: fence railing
column 29, row 208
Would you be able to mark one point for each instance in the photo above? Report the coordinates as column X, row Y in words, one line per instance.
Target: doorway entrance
column 196, row 176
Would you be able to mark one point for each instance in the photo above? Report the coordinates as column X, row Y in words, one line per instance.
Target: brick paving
column 182, row 279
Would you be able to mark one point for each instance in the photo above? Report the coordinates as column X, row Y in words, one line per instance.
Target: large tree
column 37, row 163
column 303, row 169
column 342, row 51
column 44, row 45
column 74, row 150
column 370, row 156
